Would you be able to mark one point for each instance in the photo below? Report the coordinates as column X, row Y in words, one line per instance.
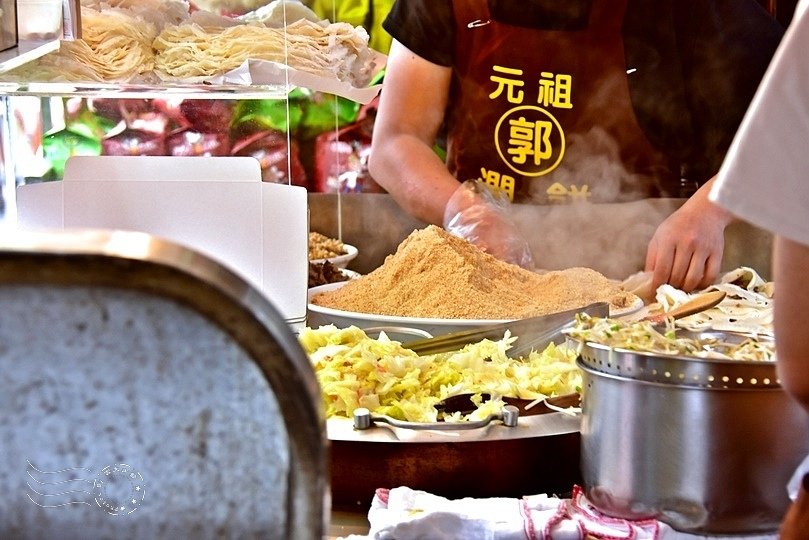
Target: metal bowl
column 704, row 445
column 341, row 261
column 317, row 315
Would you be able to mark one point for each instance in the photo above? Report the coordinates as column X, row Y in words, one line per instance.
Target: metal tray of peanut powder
column 403, row 329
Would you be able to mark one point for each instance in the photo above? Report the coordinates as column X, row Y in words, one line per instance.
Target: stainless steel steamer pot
column 705, row 445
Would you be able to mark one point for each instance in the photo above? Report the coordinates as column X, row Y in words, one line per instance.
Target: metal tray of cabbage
column 539, row 454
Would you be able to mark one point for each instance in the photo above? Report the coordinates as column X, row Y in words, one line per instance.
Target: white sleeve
column 765, row 176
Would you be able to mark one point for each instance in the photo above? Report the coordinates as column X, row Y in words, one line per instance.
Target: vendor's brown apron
column 546, row 115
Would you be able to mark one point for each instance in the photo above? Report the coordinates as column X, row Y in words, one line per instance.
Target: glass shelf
column 25, row 51
column 145, row 91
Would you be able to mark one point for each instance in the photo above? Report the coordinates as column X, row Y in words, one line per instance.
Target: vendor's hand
column 686, row 249
column 480, row 216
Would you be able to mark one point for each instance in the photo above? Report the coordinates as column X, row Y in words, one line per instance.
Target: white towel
column 406, row 514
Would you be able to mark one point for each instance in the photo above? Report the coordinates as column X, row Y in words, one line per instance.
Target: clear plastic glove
column 479, row 214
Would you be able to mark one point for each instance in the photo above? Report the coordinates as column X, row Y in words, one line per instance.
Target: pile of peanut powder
column 436, row 275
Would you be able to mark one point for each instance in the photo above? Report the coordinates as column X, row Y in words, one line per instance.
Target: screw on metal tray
column 363, row 419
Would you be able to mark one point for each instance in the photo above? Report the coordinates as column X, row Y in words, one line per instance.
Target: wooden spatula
column 695, row 305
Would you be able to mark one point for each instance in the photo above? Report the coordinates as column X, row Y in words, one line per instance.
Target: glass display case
column 313, row 135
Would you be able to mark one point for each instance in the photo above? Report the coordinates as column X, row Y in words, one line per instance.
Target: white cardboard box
column 216, row 205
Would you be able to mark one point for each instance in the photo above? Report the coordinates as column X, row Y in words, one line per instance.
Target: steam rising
column 611, row 237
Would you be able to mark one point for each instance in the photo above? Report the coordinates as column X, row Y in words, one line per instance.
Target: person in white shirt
column 765, row 181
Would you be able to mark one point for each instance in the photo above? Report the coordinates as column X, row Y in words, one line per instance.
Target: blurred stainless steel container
column 704, row 445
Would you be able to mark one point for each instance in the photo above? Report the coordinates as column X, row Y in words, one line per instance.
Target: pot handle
column 363, row 419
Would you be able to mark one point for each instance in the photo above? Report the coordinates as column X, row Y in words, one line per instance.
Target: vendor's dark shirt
column 693, row 65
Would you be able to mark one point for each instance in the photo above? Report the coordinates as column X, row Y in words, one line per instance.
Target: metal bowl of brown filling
column 440, row 283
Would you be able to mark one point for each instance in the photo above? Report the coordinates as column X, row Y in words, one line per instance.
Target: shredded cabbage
column 381, row 375
column 644, row 336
